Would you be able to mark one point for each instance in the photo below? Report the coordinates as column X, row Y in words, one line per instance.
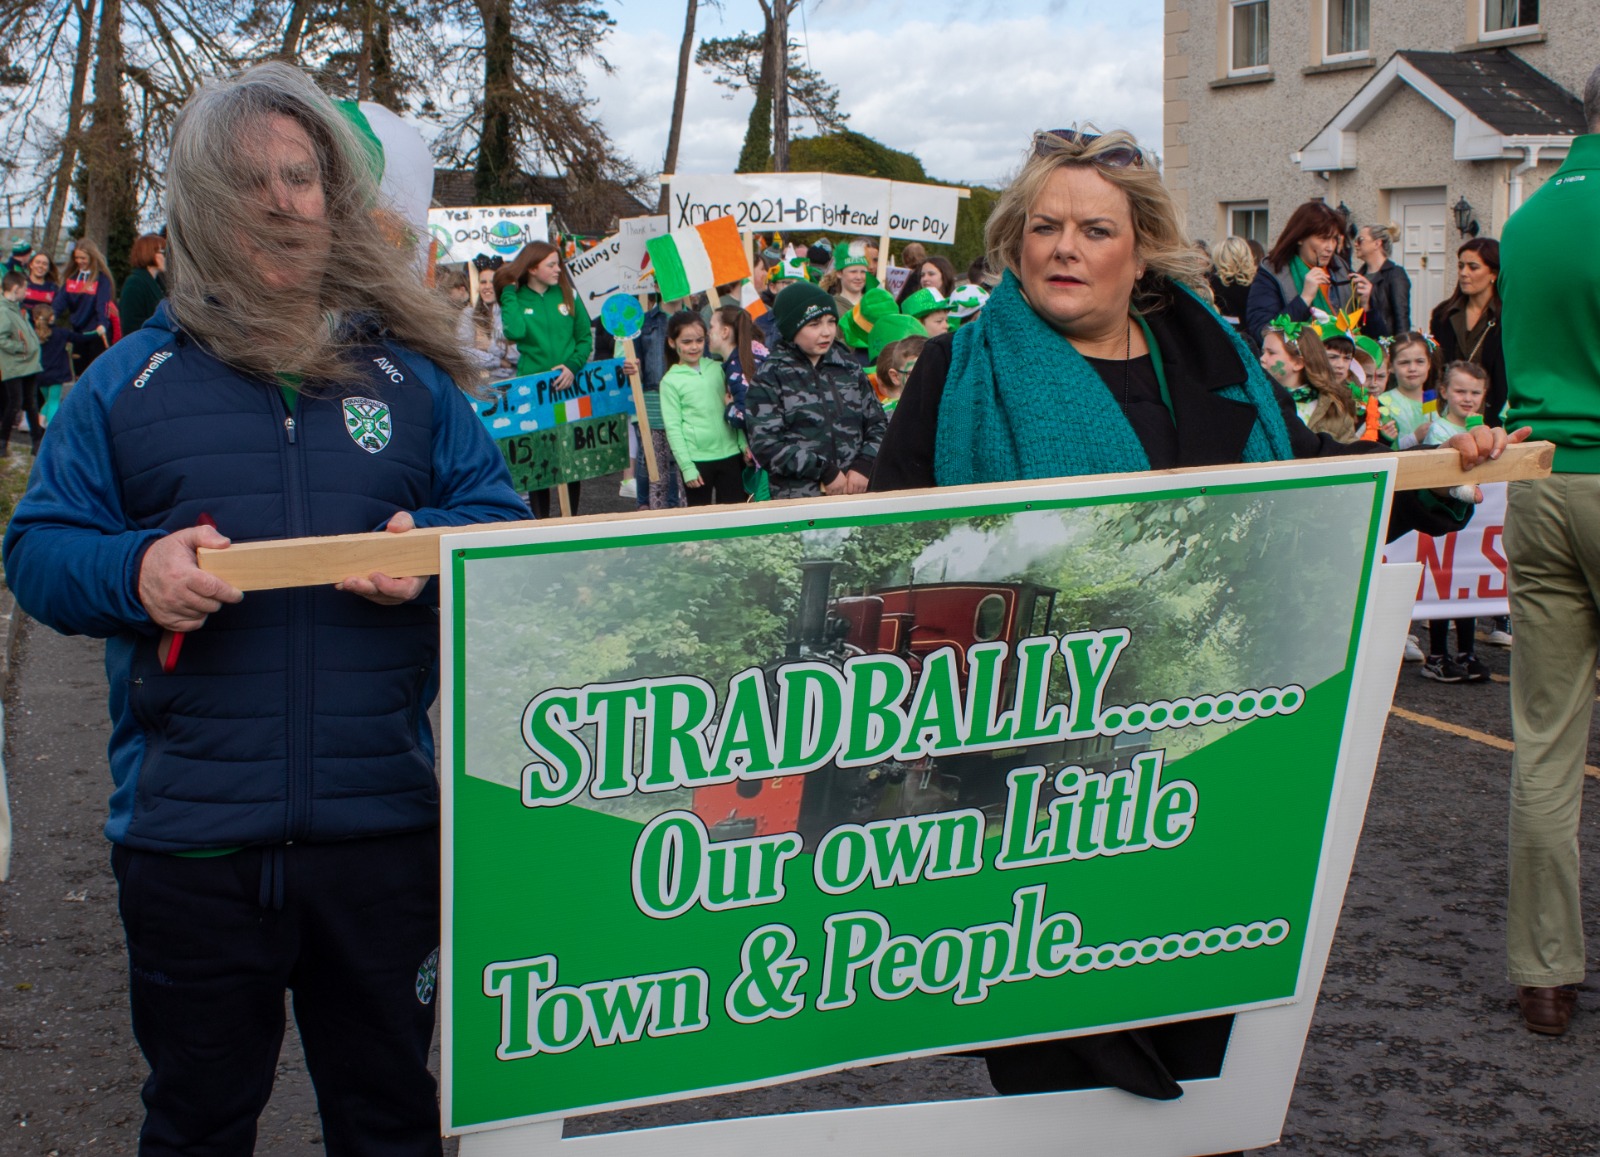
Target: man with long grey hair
column 274, row 819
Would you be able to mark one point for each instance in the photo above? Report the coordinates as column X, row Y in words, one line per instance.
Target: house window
column 1247, row 31
column 1509, row 17
column 1349, row 28
column 1249, row 221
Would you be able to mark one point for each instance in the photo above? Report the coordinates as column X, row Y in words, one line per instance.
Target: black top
column 1390, row 303
column 1137, row 390
column 1480, row 345
column 1231, row 298
column 1199, row 359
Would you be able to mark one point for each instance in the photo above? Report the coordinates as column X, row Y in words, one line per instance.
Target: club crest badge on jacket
column 368, row 423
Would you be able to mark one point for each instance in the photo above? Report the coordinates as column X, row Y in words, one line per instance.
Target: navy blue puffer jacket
column 296, row 714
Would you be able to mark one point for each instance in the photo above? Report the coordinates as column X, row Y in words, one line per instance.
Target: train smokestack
column 815, row 579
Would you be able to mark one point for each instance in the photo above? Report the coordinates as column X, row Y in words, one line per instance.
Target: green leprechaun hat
column 857, row 325
column 888, row 330
column 790, row 269
column 854, row 256
column 925, row 301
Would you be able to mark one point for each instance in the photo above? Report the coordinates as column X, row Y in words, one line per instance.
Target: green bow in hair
column 1288, row 327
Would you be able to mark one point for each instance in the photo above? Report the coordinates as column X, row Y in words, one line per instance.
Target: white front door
column 1421, row 214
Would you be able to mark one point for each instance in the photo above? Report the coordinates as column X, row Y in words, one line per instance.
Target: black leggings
column 1439, row 633
column 541, row 501
column 21, row 397
column 721, row 482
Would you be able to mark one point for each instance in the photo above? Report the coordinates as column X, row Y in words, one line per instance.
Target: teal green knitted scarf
column 1020, row 402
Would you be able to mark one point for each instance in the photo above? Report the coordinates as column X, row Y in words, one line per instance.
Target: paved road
column 1415, row 1050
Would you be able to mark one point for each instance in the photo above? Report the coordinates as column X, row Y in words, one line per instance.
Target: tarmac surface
column 1416, row 1049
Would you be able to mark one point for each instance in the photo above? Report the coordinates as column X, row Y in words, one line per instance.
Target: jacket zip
column 833, row 419
column 297, row 820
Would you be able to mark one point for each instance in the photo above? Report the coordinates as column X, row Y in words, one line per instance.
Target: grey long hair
column 342, row 277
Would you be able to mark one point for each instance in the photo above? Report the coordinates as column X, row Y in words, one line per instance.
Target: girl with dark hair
column 709, row 451
column 43, row 283
column 142, row 292
column 545, row 319
column 1303, row 271
column 1467, row 323
column 1391, row 285
column 736, row 340
column 934, row 273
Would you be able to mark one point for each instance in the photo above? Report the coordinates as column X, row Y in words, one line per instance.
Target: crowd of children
column 736, row 406
column 1336, row 378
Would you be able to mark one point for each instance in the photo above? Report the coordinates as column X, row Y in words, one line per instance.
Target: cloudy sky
column 960, row 84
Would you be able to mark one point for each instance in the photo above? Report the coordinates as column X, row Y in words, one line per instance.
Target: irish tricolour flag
column 698, row 259
column 572, row 411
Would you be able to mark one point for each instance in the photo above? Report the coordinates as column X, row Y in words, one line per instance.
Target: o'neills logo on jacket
column 155, row 364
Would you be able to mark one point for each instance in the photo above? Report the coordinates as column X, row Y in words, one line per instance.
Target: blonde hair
column 351, row 273
column 1386, row 235
column 97, row 262
column 1159, row 239
column 1234, row 263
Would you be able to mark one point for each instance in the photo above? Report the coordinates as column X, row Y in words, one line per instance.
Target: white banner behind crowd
column 763, row 202
column 1463, row 574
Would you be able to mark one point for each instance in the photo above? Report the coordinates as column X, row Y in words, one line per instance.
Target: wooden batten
column 293, row 562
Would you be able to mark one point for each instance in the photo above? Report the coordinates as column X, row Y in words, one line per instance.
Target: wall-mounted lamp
column 1466, row 219
column 1349, row 216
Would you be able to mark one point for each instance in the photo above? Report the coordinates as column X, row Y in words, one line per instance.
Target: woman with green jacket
column 545, row 319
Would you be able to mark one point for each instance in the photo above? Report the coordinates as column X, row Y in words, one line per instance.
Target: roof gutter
column 1530, row 147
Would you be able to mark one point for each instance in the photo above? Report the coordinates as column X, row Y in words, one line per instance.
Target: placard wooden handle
column 297, row 562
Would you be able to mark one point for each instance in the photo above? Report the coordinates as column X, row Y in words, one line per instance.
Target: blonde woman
column 1055, row 379
column 1391, row 284
column 1233, row 268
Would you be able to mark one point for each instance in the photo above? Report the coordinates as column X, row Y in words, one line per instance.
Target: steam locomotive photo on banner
column 912, row 621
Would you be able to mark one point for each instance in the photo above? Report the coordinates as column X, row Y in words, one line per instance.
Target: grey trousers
column 1552, row 541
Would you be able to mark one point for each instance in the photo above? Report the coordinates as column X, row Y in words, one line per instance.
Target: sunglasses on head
column 1048, row 141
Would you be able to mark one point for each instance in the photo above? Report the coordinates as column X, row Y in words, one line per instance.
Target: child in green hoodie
column 709, row 451
column 19, row 360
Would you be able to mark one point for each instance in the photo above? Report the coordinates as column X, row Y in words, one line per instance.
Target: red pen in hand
column 171, row 644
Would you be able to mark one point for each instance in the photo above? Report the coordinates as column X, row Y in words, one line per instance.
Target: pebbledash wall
column 1255, row 124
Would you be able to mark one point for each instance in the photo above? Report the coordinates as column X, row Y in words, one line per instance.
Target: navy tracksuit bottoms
column 351, row 929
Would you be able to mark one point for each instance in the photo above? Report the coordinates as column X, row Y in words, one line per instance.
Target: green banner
column 591, row 448
column 736, row 798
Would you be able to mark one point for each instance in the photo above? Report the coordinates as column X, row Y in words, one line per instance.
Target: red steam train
column 912, row 622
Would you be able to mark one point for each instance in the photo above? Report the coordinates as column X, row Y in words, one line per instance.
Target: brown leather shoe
column 1546, row 1010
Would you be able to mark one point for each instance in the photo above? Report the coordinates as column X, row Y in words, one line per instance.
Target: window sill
column 1245, row 78
column 1508, row 41
column 1340, row 66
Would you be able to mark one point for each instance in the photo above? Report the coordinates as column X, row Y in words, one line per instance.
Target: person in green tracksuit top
column 1550, row 294
column 543, row 316
column 694, row 400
